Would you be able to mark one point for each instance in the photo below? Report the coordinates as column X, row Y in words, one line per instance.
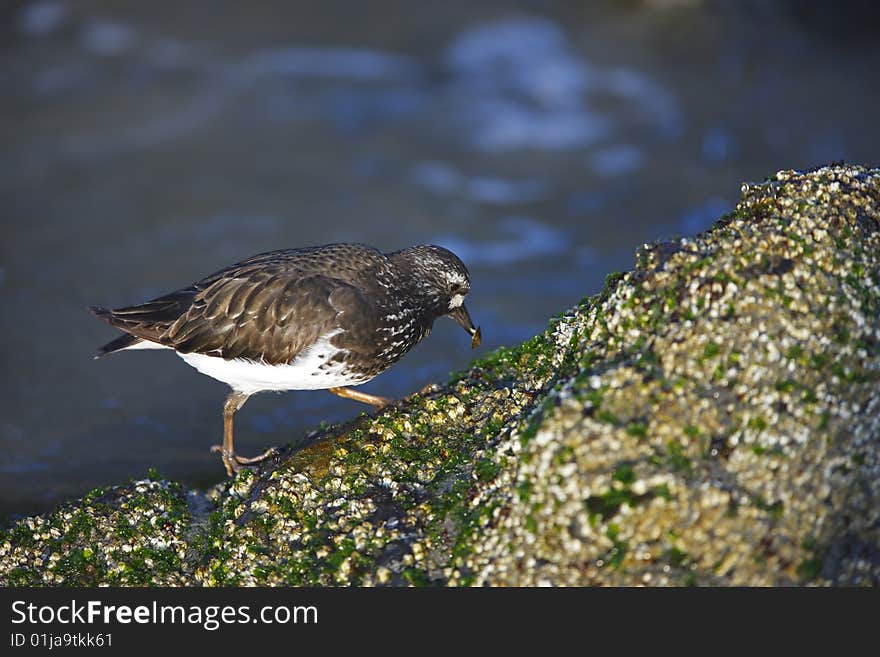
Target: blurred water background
column 147, row 144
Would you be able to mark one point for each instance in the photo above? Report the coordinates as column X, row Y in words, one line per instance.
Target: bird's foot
column 234, row 463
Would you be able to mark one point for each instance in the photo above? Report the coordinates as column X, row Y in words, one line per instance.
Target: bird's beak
column 463, row 317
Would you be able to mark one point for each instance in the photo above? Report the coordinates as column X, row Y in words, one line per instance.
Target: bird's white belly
column 309, row 371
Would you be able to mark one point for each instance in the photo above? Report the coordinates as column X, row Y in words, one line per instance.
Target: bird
column 328, row 317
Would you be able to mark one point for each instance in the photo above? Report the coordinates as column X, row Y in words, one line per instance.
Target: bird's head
column 443, row 280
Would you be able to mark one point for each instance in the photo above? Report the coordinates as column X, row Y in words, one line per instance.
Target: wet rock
column 712, row 417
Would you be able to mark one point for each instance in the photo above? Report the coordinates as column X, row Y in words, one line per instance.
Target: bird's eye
column 456, row 288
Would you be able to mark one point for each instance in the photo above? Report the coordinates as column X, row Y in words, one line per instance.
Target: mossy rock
column 711, row 418
column 122, row 536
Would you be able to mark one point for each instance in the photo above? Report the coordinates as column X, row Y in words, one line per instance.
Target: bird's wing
column 264, row 313
column 270, row 306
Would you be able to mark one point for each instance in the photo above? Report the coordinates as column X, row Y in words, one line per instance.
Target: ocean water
column 542, row 142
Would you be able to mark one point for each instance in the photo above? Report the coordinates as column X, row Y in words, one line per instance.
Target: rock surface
column 711, row 418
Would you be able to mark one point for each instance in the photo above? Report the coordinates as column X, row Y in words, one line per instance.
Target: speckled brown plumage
column 270, row 307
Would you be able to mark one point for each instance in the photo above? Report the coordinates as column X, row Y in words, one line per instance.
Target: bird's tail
column 145, row 322
column 122, row 342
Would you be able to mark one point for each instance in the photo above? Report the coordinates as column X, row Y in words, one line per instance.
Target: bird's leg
column 373, row 400
column 231, row 460
column 234, row 401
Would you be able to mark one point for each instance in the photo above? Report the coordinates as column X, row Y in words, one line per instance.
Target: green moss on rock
column 126, row 536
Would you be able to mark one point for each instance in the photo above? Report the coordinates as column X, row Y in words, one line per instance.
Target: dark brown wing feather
column 261, row 317
column 268, row 307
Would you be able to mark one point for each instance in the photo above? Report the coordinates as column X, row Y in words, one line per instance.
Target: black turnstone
column 316, row 318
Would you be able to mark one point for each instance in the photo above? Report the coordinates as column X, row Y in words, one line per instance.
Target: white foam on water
column 518, row 83
column 526, row 55
column 504, row 191
column 528, row 239
column 41, row 19
column 617, row 160
column 107, row 38
column 444, row 179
